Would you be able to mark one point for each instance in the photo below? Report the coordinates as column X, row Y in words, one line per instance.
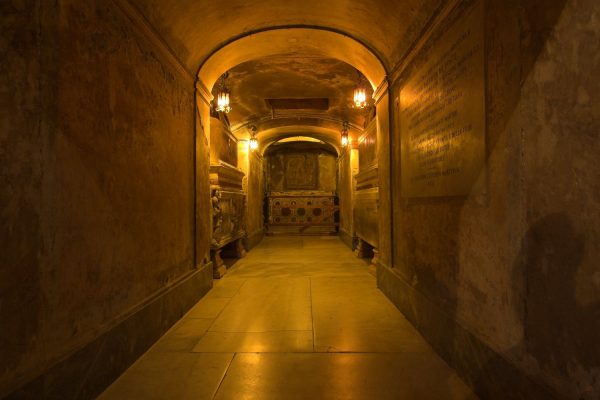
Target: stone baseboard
column 254, row 239
column 87, row 372
column 490, row 374
column 348, row 239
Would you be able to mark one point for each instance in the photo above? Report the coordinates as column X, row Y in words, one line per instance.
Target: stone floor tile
column 297, row 318
column 256, row 342
column 171, row 376
column 225, row 288
column 184, row 335
column 208, row 308
column 408, row 376
column 268, row 304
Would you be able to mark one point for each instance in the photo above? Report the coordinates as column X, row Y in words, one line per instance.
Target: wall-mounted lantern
column 345, row 139
column 223, row 100
column 360, row 92
column 253, row 142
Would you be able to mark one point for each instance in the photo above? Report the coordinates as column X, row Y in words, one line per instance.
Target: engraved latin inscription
column 442, row 113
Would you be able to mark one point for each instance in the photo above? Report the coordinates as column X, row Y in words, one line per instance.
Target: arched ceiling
column 327, row 134
column 288, row 76
column 194, row 29
column 300, row 42
column 290, row 49
column 279, row 147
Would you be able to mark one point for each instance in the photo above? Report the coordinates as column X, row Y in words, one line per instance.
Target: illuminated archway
column 298, row 41
column 329, row 135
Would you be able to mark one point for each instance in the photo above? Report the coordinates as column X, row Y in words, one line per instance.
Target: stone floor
column 298, row 318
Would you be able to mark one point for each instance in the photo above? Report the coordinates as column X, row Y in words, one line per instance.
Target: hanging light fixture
column 253, row 142
column 223, row 101
column 360, row 92
column 345, row 139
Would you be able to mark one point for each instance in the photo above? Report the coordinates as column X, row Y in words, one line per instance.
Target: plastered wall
column 97, row 181
column 516, row 266
column 21, row 173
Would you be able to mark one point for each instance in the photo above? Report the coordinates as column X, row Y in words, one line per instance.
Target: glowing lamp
column 253, row 143
column 223, row 101
column 360, row 97
column 345, row 139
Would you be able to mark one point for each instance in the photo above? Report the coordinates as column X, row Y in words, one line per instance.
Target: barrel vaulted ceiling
column 290, row 49
column 289, row 76
column 194, row 29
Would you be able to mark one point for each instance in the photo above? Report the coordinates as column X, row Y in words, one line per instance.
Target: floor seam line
column 224, row 376
column 227, row 304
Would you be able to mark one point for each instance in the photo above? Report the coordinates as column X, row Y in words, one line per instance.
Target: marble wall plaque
column 442, row 113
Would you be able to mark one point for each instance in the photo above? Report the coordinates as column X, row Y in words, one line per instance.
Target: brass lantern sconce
column 345, row 138
column 253, row 142
column 223, row 95
column 360, row 92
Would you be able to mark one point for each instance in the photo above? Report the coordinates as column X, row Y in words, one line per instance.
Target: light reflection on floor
column 298, row 318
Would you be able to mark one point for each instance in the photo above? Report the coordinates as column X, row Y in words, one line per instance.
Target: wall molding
column 381, row 90
column 87, row 371
column 294, row 118
column 348, row 239
column 203, row 92
column 139, row 21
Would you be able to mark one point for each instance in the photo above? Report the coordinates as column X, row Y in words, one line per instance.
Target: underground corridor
column 295, row 319
column 383, row 199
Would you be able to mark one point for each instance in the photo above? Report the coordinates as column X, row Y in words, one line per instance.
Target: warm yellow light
column 223, row 102
column 300, row 139
column 253, row 144
column 344, row 139
column 360, row 97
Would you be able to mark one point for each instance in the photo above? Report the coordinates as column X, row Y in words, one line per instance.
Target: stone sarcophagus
column 302, row 213
column 228, row 204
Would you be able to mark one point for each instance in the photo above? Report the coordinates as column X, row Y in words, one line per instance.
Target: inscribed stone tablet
column 442, row 113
